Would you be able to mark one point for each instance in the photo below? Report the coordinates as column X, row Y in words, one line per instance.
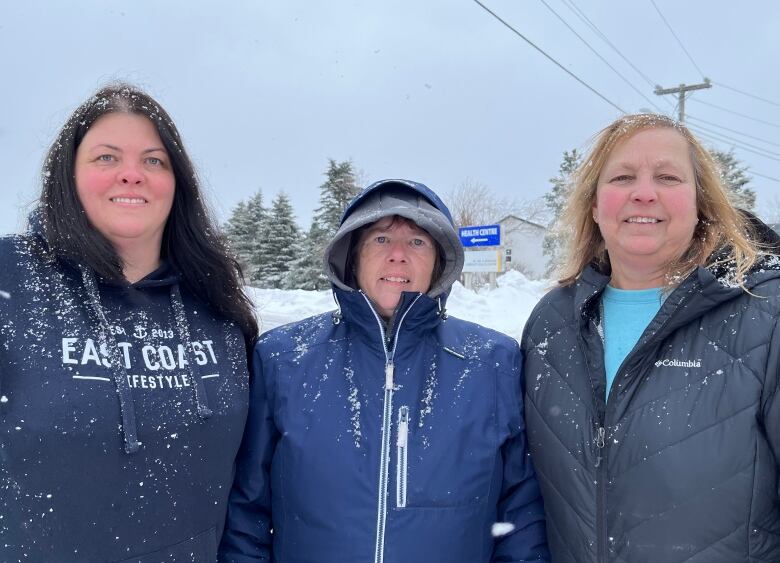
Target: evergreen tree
column 735, row 179
column 339, row 189
column 237, row 231
column 244, row 231
column 279, row 244
column 555, row 239
column 258, row 215
column 306, row 271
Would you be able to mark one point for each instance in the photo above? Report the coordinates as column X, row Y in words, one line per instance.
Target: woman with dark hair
column 123, row 350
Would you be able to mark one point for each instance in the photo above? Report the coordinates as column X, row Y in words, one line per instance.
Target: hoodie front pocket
column 201, row 548
column 402, row 445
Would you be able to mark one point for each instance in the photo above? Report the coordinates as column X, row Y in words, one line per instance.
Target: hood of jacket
column 411, row 200
column 163, row 276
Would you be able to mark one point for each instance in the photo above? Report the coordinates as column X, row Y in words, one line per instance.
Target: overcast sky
column 438, row 91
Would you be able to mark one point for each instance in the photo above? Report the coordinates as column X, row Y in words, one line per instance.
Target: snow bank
column 505, row 308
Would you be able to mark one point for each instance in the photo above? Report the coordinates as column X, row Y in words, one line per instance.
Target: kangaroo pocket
column 201, row 548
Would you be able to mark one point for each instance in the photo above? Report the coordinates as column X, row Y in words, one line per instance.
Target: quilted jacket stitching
column 682, row 503
column 560, row 442
column 681, row 440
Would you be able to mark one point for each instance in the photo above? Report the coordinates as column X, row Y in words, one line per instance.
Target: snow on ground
column 505, row 308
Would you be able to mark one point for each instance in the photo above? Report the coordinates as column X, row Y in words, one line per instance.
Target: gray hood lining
column 408, row 203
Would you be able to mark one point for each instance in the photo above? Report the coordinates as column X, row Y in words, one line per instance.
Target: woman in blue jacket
column 123, row 357
column 386, row 431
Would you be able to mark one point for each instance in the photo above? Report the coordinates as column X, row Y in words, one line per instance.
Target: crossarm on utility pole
column 681, row 90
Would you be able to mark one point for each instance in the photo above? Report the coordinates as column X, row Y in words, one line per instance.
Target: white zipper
column 384, row 464
column 387, row 423
column 402, row 444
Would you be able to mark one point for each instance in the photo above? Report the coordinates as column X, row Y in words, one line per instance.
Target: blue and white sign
column 480, row 235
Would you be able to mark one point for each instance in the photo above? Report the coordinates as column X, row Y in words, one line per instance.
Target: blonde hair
column 720, row 224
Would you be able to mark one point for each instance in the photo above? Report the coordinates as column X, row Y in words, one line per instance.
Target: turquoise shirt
column 626, row 314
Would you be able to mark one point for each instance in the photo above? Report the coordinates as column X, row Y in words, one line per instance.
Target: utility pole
column 681, row 90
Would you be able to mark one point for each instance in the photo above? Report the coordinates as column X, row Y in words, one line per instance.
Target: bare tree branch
column 474, row 203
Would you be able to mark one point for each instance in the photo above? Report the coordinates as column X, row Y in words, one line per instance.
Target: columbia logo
column 678, row 363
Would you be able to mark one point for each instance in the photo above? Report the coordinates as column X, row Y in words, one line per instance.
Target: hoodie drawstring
column 442, row 311
column 183, row 330
column 108, row 343
column 337, row 313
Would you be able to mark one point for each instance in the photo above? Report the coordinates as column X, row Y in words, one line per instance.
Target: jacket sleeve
column 247, row 536
column 520, row 528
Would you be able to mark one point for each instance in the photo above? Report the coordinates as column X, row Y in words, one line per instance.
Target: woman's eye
column 106, row 158
column 621, row 178
column 154, row 161
column 418, row 242
column 381, row 239
column 670, row 179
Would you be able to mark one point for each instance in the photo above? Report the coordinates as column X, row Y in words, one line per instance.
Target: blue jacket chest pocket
column 444, row 464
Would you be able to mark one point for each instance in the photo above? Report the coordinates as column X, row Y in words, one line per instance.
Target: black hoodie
column 121, row 410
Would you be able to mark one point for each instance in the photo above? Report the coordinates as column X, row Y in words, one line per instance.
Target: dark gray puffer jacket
column 681, row 463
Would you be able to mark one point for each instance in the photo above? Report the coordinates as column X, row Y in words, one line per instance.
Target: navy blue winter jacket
column 364, row 446
column 121, row 410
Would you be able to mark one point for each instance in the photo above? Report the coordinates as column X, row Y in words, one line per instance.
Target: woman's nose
column 644, row 191
column 396, row 252
column 131, row 175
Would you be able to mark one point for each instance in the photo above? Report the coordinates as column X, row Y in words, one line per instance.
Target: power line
column 723, row 139
column 681, row 90
column 748, row 94
column 714, row 137
column 737, row 113
column 588, row 45
column 559, row 65
column 763, row 175
column 584, row 18
column 677, row 38
column 737, row 142
column 734, row 131
column 750, row 170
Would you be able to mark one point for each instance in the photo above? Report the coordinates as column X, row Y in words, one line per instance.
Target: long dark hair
column 191, row 242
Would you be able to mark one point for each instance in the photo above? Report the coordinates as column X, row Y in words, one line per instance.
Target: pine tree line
column 271, row 248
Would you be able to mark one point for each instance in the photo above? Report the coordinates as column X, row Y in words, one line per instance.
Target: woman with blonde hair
column 652, row 409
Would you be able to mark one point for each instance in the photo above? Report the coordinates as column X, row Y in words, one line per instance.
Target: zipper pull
column 600, row 436
column 403, row 427
column 389, row 376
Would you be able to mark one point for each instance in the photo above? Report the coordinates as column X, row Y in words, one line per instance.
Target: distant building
column 524, row 239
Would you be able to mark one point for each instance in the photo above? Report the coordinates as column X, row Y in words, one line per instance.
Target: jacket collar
column 415, row 315
column 703, row 289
